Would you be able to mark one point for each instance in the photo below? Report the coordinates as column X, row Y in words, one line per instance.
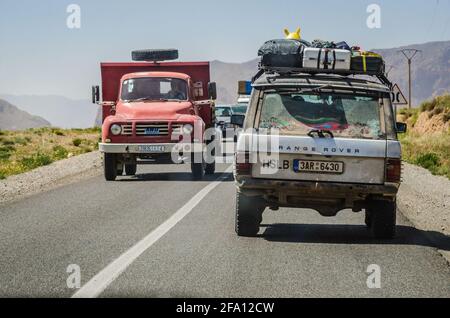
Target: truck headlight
column 188, row 129
column 116, row 129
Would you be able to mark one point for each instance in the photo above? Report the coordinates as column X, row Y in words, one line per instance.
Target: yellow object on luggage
column 293, row 35
column 371, row 54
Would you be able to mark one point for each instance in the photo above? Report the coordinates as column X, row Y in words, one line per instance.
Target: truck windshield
column 240, row 109
column 154, row 89
column 344, row 115
column 223, row 111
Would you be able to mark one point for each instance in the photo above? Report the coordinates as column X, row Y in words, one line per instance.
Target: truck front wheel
column 249, row 212
column 381, row 218
column 197, row 168
column 130, row 169
column 110, row 166
column 211, row 167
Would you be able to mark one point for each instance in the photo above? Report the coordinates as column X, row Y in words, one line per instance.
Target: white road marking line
column 105, row 277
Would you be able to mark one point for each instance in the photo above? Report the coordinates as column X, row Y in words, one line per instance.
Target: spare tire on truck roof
column 154, row 55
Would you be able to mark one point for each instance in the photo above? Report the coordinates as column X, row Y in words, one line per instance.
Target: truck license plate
column 151, row 149
column 315, row 166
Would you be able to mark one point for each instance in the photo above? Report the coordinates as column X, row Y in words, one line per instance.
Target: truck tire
column 120, row 170
column 130, row 169
column 198, row 171
column 110, row 166
column 368, row 219
column 154, row 55
column 210, row 168
column 248, row 215
column 382, row 218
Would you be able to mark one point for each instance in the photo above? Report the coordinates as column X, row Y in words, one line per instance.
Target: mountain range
column 58, row 110
column 430, row 77
column 430, row 70
column 12, row 118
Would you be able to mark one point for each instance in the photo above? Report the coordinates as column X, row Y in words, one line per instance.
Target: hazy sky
column 39, row 54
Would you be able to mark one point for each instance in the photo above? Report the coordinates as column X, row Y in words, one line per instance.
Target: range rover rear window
column 345, row 115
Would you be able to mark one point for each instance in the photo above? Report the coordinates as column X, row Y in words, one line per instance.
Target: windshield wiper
column 320, row 133
column 317, row 89
column 142, row 99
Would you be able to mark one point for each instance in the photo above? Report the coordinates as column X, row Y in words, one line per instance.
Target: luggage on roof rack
column 287, row 57
column 282, row 53
column 367, row 62
column 328, row 59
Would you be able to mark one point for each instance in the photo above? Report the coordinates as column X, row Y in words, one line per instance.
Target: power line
column 390, row 68
column 410, row 54
column 433, row 20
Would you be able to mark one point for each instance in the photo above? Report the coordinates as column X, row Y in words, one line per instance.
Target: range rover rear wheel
column 381, row 218
column 248, row 215
column 110, row 166
column 130, row 169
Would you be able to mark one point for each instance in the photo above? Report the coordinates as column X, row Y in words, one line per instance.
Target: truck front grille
column 152, row 129
column 127, row 129
column 177, row 129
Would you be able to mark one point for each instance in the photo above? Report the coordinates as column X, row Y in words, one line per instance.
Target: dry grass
column 437, row 105
column 430, row 150
column 22, row 151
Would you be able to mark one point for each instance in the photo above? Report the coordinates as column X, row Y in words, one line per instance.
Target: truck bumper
column 136, row 148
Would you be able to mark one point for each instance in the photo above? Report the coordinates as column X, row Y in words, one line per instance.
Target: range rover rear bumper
column 315, row 189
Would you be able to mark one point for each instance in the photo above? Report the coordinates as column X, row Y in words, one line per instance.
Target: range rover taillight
column 243, row 164
column 393, row 170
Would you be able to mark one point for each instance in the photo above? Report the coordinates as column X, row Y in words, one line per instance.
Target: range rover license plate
column 316, row 166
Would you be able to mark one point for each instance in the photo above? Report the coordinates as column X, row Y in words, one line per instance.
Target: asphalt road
column 186, row 245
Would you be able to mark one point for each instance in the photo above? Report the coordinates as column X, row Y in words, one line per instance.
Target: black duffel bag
column 282, row 53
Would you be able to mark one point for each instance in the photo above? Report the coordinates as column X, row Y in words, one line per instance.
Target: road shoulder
column 50, row 177
column 425, row 200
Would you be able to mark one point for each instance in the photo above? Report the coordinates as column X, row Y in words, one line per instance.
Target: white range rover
column 320, row 142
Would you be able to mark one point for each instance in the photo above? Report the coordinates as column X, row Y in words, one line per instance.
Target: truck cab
column 156, row 112
column 318, row 141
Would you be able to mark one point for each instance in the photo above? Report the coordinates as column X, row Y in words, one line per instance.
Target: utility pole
column 409, row 54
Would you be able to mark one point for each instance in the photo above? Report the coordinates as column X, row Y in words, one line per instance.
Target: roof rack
column 308, row 71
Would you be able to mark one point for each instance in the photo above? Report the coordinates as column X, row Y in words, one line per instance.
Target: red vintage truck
column 156, row 112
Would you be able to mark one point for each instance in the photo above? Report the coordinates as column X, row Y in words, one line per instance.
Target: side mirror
column 238, row 120
column 95, row 94
column 212, row 91
column 402, row 128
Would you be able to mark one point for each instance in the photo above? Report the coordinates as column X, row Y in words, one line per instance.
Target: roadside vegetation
column 427, row 143
column 22, row 151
